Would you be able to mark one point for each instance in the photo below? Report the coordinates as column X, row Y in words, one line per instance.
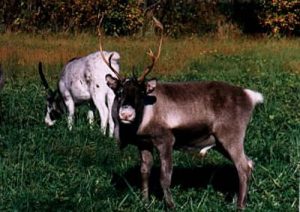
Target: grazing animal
column 82, row 80
column 182, row 115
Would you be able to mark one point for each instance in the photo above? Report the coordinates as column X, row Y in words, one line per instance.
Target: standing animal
column 82, row 80
column 182, row 115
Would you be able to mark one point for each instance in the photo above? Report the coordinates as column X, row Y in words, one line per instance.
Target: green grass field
column 54, row 169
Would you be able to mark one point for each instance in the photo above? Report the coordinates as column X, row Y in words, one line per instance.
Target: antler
column 150, row 53
column 108, row 63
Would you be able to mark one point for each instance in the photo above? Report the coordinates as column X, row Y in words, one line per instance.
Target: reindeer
column 82, row 80
column 182, row 115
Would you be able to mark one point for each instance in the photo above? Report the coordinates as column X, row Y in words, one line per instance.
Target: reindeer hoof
column 240, row 208
column 169, row 201
column 170, row 205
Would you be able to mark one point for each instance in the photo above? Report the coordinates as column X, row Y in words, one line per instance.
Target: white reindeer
column 82, row 80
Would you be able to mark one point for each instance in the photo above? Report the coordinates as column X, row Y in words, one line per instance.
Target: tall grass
column 57, row 170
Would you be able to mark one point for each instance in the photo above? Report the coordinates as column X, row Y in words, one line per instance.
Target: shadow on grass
column 222, row 178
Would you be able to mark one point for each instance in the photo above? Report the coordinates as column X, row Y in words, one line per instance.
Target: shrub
column 126, row 17
column 122, row 17
column 281, row 17
column 180, row 17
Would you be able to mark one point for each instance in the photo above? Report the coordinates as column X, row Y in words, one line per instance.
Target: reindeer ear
column 151, row 85
column 112, row 82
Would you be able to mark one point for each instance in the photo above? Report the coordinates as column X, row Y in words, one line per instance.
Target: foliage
column 181, row 18
column 126, row 17
column 281, row 17
column 122, row 18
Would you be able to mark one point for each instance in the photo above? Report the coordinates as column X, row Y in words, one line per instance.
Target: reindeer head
column 131, row 92
column 54, row 107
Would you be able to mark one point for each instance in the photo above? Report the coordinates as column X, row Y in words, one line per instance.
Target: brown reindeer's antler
column 154, row 58
column 108, row 63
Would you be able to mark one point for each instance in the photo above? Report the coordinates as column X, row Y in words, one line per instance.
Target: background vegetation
column 127, row 17
column 53, row 169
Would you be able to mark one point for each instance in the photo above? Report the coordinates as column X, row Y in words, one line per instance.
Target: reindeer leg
column 165, row 149
column 244, row 168
column 91, row 118
column 146, row 165
column 110, row 99
column 71, row 110
column 91, row 115
column 232, row 142
column 99, row 102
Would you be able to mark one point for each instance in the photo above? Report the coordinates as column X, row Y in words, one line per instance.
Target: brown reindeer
column 188, row 115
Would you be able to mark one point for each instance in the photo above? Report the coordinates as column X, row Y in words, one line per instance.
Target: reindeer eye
column 54, row 114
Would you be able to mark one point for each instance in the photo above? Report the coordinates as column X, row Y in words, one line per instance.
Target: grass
column 53, row 169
